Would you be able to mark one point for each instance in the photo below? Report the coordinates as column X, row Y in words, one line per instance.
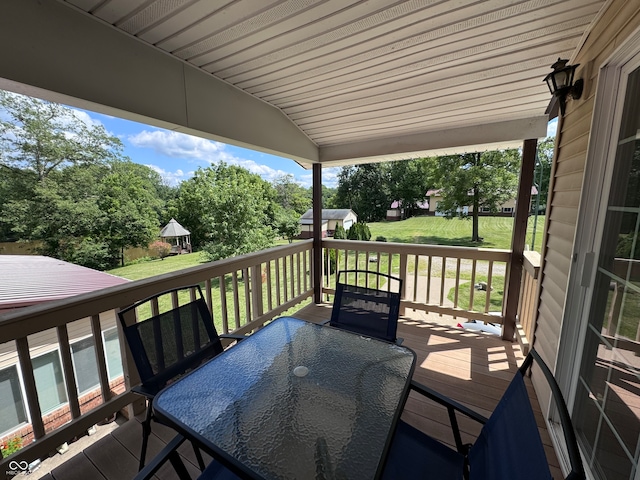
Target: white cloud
column 329, row 177
column 171, row 178
column 178, row 145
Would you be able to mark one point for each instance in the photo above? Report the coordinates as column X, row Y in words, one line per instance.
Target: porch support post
column 519, row 236
column 317, row 233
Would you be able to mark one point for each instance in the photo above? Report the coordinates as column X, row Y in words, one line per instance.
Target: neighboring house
column 331, row 218
column 507, row 209
column 396, row 212
column 30, row 280
column 178, row 236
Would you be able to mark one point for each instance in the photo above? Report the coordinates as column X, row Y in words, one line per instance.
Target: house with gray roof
column 331, row 218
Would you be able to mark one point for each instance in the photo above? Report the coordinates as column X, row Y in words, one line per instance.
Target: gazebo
column 178, row 236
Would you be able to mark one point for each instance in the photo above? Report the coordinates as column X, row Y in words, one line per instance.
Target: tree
column 364, row 189
column 480, row 180
column 130, row 204
column 288, row 224
column 290, row 195
column 542, row 171
column 409, row 181
column 41, row 137
column 228, row 210
column 86, row 214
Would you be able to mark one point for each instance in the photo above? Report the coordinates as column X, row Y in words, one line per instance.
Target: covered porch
column 473, row 368
column 245, row 293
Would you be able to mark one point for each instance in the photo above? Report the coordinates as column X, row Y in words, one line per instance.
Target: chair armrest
column 233, row 336
column 447, row 402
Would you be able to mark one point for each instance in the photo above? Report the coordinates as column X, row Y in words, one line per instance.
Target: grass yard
column 496, row 231
column 157, row 267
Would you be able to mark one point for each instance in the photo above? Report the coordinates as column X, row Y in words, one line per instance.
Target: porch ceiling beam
column 60, row 54
column 485, row 137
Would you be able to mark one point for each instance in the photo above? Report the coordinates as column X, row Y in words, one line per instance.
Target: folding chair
column 508, row 447
column 367, row 310
column 176, row 335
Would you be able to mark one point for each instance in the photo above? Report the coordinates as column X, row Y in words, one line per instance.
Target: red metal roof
column 29, row 279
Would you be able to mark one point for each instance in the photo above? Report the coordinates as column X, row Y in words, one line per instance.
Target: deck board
column 471, row 368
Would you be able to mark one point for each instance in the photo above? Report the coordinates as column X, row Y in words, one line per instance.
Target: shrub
column 10, row 446
column 359, row 231
column 160, row 249
column 380, row 238
column 339, row 233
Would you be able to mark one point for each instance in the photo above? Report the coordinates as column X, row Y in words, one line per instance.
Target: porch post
column 317, row 232
column 519, row 236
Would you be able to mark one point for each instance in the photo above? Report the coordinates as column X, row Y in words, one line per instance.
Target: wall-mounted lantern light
column 561, row 84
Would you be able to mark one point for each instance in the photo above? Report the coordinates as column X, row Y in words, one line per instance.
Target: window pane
column 49, row 381
column 606, row 413
column 112, row 351
column 84, row 364
column 12, row 411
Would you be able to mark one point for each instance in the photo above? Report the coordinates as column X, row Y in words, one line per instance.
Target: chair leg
column 198, row 454
column 146, row 431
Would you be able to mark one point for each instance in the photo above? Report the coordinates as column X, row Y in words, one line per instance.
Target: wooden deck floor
column 471, row 368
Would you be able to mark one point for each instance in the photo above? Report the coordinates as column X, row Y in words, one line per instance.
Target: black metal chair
column 176, row 335
column 508, row 447
column 214, row 471
column 365, row 310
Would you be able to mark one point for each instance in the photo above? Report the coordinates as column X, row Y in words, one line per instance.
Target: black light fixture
column 560, row 82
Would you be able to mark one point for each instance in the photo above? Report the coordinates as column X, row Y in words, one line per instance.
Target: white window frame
column 596, row 185
column 104, row 344
column 24, row 401
column 64, row 380
column 75, row 370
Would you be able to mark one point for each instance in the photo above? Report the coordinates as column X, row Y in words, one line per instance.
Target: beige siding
column 614, row 26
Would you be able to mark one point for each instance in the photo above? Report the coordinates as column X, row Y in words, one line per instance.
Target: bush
column 359, row 231
column 10, row 446
column 380, row 238
column 339, row 233
column 160, row 249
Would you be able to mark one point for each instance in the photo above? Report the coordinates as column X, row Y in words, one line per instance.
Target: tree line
column 67, row 185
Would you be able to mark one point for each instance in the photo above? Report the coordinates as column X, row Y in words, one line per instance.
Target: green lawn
column 157, row 267
column 496, row 231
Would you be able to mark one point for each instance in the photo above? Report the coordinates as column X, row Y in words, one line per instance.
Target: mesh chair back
column 509, row 445
column 367, row 310
column 173, row 341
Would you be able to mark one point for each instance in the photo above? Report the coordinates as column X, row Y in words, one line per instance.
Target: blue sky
column 176, row 156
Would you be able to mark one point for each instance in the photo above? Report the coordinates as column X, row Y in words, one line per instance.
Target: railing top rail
column 421, row 249
column 28, row 320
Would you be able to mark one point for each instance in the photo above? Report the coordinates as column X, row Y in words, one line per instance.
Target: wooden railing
column 528, row 303
column 243, row 293
column 458, row 281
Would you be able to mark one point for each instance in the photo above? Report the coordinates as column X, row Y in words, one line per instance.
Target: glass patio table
column 294, row 400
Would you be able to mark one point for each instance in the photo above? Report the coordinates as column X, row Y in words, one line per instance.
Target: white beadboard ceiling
column 374, row 79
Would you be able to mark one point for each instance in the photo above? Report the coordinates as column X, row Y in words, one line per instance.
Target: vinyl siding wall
column 618, row 21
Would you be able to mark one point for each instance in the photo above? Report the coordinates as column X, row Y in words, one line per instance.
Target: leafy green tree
column 480, row 180
column 542, row 172
column 288, row 224
column 290, row 195
column 41, row 136
column 409, row 181
column 129, row 203
column 364, row 189
column 228, row 210
column 87, row 214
